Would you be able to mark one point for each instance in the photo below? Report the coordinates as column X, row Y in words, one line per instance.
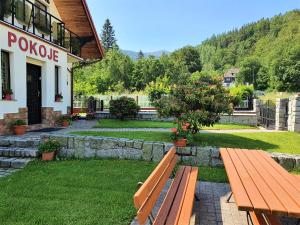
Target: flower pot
column 48, row 156
column 181, row 142
column 65, row 123
column 8, row 97
column 20, row 130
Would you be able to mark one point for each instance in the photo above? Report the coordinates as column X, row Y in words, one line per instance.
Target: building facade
column 229, row 77
column 39, row 42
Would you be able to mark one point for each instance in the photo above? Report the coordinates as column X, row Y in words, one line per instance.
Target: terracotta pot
column 181, row 142
column 65, row 123
column 20, row 130
column 48, row 156
column 8, row 97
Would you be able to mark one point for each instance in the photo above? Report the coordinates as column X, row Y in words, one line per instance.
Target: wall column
column 281, row 111
column 294, row 114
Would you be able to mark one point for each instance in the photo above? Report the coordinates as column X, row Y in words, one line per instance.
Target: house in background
column 229, row 77
column 39, row 42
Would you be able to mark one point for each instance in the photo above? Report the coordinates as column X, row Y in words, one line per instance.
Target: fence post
column 294, row 114
column 280, row 117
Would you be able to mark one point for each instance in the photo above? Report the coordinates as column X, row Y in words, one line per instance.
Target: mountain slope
column 134, row 55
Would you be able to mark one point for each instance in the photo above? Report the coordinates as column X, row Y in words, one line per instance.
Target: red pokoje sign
column 33, row 47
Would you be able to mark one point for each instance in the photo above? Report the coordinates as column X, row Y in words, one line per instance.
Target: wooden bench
column 178, row 203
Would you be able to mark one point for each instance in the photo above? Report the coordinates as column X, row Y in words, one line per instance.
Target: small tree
column 200, row 103
column 108, row 36
column 123, row 108
column 140, row 55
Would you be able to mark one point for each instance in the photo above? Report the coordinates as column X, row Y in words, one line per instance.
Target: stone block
column 66, row 153
column 96, row 143
column 168, row 146
column 79, row 147
column 147, row 151
column 183, row 150
column 203, row 156
column 157, row 152
column 215, row 152
column 122, row 142
column 129, row 153
column 71, row 142
column 107, row 154
column 4, row 143
column 108, row 143
column 286, row 162
column 89, row 153
column 138, row 145
column 129, row 144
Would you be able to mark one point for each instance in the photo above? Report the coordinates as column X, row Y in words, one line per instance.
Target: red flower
column 184, row 128
column 187, row 124
column 174, row 130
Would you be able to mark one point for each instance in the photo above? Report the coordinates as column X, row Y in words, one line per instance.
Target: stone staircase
column 17, row 152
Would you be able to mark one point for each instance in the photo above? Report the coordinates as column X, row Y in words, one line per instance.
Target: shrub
column 182, row 131
column 19, row 123
column 199, row 102
column 241, row 92
column 64, row 118
column 49, row 146
column 157, row 89
column 123, row 108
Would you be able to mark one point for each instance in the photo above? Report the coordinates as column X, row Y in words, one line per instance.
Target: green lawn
column 286, row 142
column 77, row 192
column 112, row 123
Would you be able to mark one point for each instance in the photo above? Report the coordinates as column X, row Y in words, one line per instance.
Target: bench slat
column 239, row 192
column 273, row 220
column 144, row 191
column 149, row 203
column 179, row 198
column 168, row 201
column 187, row 207
column 257, row 219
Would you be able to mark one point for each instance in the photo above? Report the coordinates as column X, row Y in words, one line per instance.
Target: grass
column 285, row 142
column 273, row 95
column 77, row 192
column 112, row 123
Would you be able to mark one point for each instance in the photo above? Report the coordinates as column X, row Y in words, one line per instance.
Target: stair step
column 20, row 142
column 16, row 163
column 18, row 152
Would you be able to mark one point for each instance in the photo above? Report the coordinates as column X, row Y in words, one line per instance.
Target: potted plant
column 7, row 94
column 48, row 149
column 58, row 97
column 65, row 120
column 19, row 127
column 181, row 135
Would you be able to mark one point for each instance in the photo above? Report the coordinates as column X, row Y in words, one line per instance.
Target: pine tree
column 141, row 55
column 108, row 36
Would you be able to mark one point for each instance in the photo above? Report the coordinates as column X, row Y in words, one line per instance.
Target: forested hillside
column 267, row 53
column 268, row 49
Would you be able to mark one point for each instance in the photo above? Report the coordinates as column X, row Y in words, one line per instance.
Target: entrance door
column 34, row 98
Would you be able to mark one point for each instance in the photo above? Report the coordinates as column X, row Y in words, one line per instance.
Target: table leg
column 228, row 199
column 298, row 223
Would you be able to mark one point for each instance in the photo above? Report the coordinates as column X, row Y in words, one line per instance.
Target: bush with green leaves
column 18, row 123
column 240, row 93
column 49, row 146
column 123, row 108
column 198, row 102
column 156, row 90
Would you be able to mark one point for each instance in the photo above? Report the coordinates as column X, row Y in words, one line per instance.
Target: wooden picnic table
column 259, row 184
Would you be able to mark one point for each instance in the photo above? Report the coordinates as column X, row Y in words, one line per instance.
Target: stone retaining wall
column 119, row 148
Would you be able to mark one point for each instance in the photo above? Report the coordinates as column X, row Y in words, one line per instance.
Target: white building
column 229, row 77
column 39, row 42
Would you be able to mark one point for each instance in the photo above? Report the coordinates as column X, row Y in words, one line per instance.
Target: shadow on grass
column 232, row 141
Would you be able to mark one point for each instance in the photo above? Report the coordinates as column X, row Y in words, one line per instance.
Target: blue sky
column 152, row 25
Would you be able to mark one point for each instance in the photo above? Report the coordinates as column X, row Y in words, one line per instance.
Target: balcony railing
column 33, row 19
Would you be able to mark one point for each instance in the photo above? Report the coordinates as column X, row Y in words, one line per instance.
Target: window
column 56, row 80
column 5, row 71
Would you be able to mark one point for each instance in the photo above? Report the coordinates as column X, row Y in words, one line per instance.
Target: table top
column 260, row 184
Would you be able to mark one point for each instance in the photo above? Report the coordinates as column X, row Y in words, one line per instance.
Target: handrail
column 25, row 15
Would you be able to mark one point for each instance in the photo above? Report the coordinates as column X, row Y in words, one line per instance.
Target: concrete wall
column 120, row 148
column 294, row 113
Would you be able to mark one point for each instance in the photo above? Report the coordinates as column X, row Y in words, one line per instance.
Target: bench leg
column 197, row 198
column 298, row 223
column 228, row 199
column 249, row 219
column 151, row 218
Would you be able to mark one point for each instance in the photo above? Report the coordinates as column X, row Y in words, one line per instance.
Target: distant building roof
column 232, row 72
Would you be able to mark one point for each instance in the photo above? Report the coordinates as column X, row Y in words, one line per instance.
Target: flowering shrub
column 199, row 102
column 181, row 132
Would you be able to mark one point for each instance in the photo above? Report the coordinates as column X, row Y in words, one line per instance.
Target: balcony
column 35, row 20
